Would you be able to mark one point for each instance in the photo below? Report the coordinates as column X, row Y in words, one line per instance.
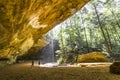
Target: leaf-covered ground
column 26, row 72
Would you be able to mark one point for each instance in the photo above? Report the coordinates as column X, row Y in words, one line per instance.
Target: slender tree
column 101, row 28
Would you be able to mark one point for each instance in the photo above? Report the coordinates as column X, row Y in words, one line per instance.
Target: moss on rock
column 92, row 57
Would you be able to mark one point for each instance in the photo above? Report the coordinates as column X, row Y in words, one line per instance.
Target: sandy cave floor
column 83, row 71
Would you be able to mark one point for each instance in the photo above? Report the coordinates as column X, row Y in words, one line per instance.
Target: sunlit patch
column 97, row 64
column 43, row 26
column 73, row 11
column 49, row 65
column 34, row 22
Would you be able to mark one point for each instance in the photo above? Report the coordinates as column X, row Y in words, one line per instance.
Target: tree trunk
column 86, row 40
column 101, row 28
column 108, row 38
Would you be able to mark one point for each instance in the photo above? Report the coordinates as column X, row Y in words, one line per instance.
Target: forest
column 96, row 27
column 83, row 42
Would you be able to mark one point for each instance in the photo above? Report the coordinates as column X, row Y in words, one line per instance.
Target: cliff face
column 23, row 22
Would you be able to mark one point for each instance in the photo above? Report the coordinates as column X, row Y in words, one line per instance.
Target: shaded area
column 48, row 53
column 26, row 72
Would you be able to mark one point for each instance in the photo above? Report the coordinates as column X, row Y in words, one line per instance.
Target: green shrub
column 92, row 57
column 70, row 58
column 60, row 60
column 115, row 68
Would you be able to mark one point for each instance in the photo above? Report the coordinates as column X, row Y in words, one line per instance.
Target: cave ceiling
column 24, row 22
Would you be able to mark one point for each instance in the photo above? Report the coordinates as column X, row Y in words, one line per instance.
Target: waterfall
column 52, row 51
column 47, row 54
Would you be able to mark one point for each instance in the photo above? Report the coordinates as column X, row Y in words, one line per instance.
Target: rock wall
column 24, row 22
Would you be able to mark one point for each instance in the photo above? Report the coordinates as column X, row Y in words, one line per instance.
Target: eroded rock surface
column 24, row 22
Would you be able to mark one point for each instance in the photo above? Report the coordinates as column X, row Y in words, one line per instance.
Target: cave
column 24, row 22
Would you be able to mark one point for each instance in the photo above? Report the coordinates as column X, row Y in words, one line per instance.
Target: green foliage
column 60, row 55
column 60, row 60
column 71, row 58
column 82, row 32
column 92, row 57
column 68, row 57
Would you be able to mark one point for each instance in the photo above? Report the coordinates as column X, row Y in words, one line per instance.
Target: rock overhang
column 23, row 22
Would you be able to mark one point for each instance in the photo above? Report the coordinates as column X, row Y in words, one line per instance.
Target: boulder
column 115, row 68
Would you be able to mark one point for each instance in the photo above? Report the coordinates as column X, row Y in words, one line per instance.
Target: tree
column 94, row 28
